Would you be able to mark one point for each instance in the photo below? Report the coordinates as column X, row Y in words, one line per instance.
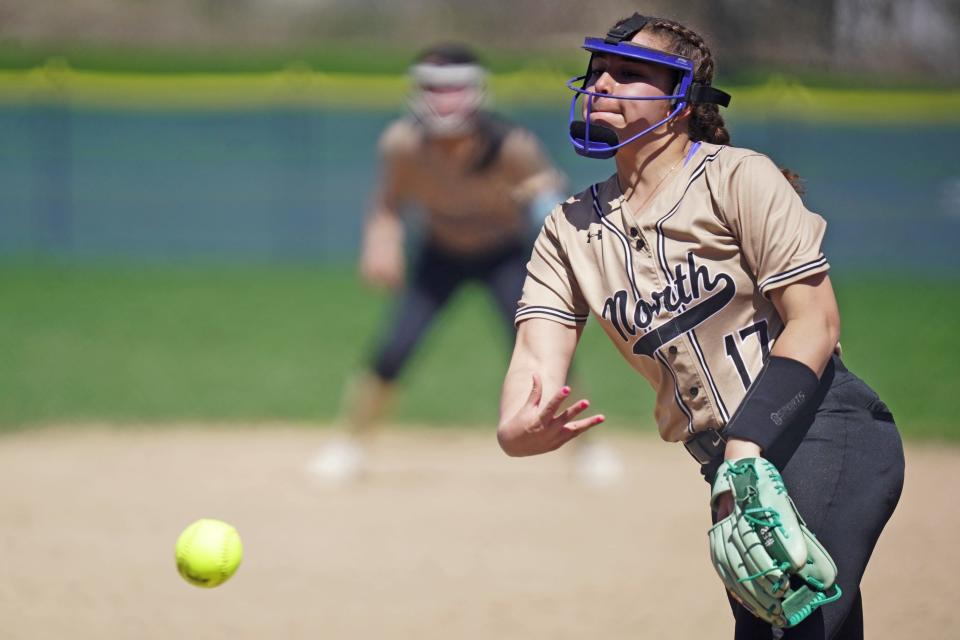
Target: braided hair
column 705, row 123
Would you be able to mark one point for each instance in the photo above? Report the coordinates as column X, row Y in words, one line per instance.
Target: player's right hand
column 383, row 267
column 538, row 428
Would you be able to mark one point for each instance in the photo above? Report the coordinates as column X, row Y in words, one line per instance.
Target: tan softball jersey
column 467, row 210
column 681, row 286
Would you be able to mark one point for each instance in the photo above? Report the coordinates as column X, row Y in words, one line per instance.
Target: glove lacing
column 763, row 517
column 770, row 517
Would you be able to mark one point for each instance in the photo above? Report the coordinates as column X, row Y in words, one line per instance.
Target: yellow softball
column 208, row 552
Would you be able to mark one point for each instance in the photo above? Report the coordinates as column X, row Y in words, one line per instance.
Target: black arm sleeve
column 773, row 402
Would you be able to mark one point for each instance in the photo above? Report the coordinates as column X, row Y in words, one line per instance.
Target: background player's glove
column 767, row 558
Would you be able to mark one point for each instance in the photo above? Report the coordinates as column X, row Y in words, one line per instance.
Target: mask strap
column 705, row 93
column 627, row 29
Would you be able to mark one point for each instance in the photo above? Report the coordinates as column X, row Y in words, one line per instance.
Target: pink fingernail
column 584, row 404
column 565, row 391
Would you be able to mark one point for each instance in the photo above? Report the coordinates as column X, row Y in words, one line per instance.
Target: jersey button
column 694, row 391
column 673, row 349
column 640, row 244
column 634, row 232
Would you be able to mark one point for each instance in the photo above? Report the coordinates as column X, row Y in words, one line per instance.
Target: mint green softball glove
column 767, row 558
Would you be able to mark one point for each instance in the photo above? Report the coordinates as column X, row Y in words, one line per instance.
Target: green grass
column 900, row 335
column 126, row 345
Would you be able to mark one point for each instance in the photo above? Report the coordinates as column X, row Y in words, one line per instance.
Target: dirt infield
column 446, row 538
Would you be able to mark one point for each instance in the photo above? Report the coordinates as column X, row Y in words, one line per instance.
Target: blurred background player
column 484, row 186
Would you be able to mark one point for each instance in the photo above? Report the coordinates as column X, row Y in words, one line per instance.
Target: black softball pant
column 436, row 277
column 843, row 466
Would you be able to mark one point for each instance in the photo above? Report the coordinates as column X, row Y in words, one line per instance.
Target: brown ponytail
column 705, row 123
column 794, row 179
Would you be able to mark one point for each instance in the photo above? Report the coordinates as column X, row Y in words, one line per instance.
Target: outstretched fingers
column 550, row 409
column 562, row 424
column 580, row 426
column 572, row 411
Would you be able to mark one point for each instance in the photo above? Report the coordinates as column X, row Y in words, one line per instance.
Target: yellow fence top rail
column 299, row 86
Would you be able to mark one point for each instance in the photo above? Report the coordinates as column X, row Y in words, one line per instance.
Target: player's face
column 617, row 76
column 449, row 101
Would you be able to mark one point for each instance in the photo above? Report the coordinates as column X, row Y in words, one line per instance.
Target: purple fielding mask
column 598, row 141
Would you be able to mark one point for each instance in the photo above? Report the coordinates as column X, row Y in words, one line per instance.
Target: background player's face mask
column 597, row 141
column 446, row 97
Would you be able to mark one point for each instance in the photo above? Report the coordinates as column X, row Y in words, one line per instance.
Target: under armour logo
column 598, row 235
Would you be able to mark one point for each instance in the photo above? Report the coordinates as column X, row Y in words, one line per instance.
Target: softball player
column 705, row 270
column 484, row 187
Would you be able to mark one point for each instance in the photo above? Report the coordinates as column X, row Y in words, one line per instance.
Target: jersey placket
column 677, row 356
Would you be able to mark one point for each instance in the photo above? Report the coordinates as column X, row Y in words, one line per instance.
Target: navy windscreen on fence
column 292, row 184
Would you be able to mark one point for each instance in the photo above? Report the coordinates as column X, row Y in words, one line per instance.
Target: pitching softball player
column 705, row 270
column 484, row 187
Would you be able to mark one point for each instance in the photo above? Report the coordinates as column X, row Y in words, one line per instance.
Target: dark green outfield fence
column 290, row 184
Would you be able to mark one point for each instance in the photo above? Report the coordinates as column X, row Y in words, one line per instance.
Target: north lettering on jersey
column 692, row 283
